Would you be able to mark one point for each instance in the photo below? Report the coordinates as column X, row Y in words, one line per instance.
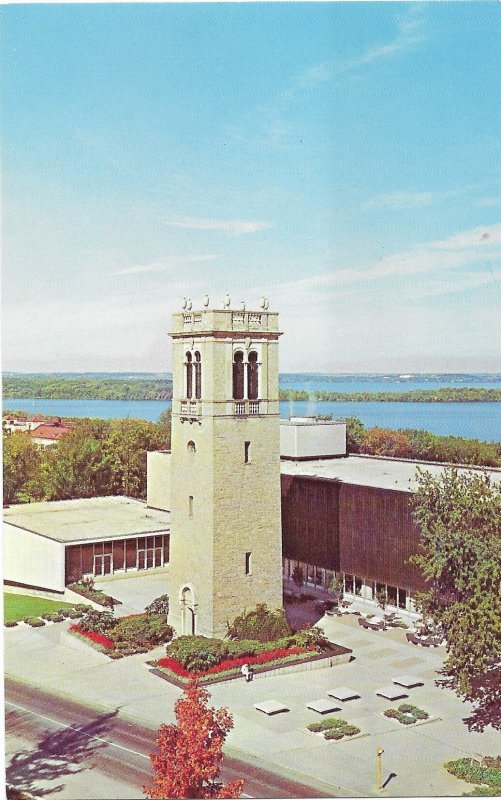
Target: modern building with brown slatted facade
column 352, row 517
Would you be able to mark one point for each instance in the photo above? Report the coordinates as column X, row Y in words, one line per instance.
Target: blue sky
column 340, row 158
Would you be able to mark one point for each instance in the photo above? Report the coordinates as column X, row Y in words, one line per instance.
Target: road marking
column 77, row 730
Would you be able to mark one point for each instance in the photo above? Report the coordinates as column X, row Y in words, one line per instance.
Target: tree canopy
column 190, row 753
column 459, row 514
column 96, row 458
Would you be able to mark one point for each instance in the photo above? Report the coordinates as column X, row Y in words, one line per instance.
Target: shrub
column 64, row 612
column 468, row 769
column 52, row 616
column 406, row 720
column 83, row 607
column 35, row 622
column 391, row 712
column 350, row 730
column 197, row 653
column 260, row 624
column 312, row 638
column 74, row 614
column 159, row 606
column 317, row 727
column 116, row 654
column 10, row 623
column 334, row 733
column 97, row 621
column 418, row 713
column 142, row 630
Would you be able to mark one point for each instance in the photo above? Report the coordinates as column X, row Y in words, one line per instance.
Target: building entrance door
column 102, row 564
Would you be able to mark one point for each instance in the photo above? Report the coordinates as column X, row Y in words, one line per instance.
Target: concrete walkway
column 137, row 592
column 413, row 755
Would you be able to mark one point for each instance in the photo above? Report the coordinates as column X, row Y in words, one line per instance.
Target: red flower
column 233, row 663
column 97, row 638
column 174, row 666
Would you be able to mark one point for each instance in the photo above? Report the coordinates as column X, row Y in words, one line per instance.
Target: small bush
column 74, row 614
column 52, row 616
column 406, row 720
column 11, row 623
column 159, row 606
column 391, row 712
column 198, row 653
column 260, row 624
column 406, row 708
column 97, row 621
column 334, row 733
column 143, row 630
column 64, row 612
column 35, row 622
column 350, row 730
column 115, row 654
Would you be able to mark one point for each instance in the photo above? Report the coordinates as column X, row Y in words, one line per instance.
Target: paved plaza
column 413, row 755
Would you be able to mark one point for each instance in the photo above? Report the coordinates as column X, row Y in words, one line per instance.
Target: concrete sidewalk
column 51, row 659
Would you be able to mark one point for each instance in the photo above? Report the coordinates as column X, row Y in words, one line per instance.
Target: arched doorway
column 188, row 604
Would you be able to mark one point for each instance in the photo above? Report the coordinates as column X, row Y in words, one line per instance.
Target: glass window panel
column 348, row 583
column 402, row 598
column 87, row 559
column 118, row 555
column 166, row 539
column 392, row 595
column 131, row 553
column 73, row 564
column 358, row 586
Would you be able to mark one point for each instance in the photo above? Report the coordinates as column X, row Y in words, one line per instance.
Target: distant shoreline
column 140, row 389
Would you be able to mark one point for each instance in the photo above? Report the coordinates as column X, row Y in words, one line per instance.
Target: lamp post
column 379, row 753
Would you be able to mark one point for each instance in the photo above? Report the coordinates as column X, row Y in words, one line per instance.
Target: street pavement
column 53, row 660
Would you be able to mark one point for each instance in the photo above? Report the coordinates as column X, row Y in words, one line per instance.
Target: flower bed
column 96, row 595
column 334, row 728
column 103, row 642
column 136, row 633
column 406, row 714
column 228, row 669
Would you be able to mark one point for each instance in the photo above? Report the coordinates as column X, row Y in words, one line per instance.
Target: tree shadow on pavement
column 56, row 755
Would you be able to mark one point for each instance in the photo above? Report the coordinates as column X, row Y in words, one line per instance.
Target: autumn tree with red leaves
column 190, row 752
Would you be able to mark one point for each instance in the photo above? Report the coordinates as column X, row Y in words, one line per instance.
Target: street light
column 379, row 753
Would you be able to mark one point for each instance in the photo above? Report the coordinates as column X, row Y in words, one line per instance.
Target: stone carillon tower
column 226, row 544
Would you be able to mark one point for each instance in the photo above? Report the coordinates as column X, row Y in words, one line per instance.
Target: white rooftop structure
column 87, row 519
column 381, row 473
column 308, row 437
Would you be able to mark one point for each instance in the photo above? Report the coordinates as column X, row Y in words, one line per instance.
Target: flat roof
column 381, row 473
column 87, row 519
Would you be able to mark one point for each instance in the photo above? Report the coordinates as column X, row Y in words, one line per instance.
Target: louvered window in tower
column 238, row 376
column 252, row 377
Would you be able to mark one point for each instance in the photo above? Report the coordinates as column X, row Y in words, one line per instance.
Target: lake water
column 471, row 420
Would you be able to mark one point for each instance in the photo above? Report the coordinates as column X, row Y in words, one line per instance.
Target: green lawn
column 19, row 606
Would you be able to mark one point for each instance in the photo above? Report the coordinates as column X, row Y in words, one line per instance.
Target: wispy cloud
column 269, row 124
column 403, row 200
column 409, row 34
column 164, row 266
column 477, row 248
column 487, row 202
column 233, row 227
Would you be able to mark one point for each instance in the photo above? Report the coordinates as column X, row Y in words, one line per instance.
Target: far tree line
column 49, row 387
